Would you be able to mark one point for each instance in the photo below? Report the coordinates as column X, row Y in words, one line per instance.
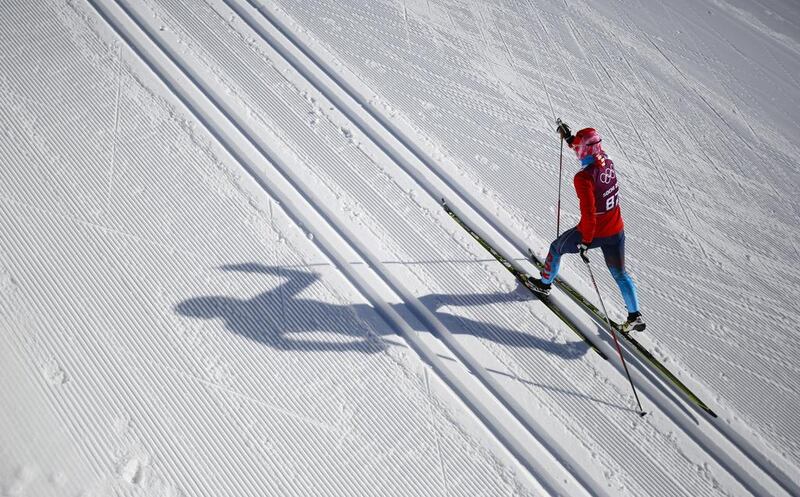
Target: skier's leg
column 614, row 254
column 627, row 287
column 567, row 243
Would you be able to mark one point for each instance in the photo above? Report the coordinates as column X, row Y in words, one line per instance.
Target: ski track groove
column 77, row 369
column 350, row 176
column 404, row 228
column 389, row 434
column 571, row 405
column 99, row 354
column 195, row 81
column 708, row 448
column 643, row 458
column 412, row 244
column 60, row 401
column 79, row 373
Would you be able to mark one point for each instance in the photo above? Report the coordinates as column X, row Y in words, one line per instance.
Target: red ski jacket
column 598, row 195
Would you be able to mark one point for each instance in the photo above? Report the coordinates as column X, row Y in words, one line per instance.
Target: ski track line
column 98, row 457
column 41, row 351
column 82, row 373
column 377, row 134
column 376, row 192
column 83, row 369
column 222, row 125
column 587, row 420
column 89, row 451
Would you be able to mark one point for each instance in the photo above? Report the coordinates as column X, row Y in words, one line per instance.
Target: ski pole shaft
column 613, row 334
column 558, row 209
column 560, row 169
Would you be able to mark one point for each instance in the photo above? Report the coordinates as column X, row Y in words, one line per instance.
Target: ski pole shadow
column 285, row 319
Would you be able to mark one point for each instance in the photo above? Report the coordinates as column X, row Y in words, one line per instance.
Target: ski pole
column 613, row 333
column 560, row 168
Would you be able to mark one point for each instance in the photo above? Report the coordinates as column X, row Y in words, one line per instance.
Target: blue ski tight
column 613, row 248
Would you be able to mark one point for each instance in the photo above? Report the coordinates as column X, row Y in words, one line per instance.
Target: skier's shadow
column 284, row 319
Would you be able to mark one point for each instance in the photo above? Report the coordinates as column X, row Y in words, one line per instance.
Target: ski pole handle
column 563, row 130
column 582, row 249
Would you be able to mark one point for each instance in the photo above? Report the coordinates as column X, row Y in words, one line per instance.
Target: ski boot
column 536, row 285
column 635, row 322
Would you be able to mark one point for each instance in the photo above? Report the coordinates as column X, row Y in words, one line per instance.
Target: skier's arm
column 565, row 133
column 585, row 190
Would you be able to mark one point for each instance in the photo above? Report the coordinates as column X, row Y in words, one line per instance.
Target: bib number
column 612, row 201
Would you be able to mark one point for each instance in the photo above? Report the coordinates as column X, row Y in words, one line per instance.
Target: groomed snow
column 225, row 270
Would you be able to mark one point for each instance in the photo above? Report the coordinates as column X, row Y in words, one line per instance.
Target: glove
column 564, row 131
column 582, row 248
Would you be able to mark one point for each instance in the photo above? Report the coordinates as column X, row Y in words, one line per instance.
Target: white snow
column 225, row 270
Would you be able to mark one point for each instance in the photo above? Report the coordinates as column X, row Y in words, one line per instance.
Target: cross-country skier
column 601, row 221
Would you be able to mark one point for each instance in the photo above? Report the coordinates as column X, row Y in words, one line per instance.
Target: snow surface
column 224, row 269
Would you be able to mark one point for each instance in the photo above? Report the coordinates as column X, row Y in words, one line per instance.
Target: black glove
column 582, row 248
column 563, row 130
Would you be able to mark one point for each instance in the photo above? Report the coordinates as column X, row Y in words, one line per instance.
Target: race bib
column 606, row 190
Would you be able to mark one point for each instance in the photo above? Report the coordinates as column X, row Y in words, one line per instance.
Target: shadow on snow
column 283, row 319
